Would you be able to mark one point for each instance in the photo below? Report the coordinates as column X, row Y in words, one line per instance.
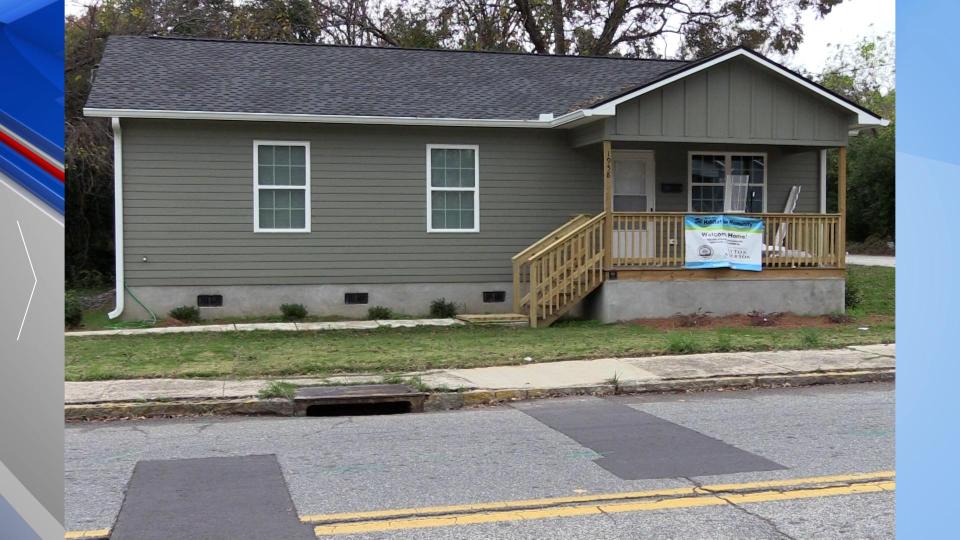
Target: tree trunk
column 559, row 39
column 530, row 25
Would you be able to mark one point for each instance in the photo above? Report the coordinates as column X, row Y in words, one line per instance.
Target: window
column 727, row 182
column 453, row 195
column 281, row 186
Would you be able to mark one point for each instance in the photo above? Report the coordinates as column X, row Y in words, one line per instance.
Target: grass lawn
column 385, row 350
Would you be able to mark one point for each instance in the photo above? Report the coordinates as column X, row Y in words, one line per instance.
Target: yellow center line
column 529, row 503
column 703, row 499
column 77, row 535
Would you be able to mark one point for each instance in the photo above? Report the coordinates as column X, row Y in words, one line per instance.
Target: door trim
column 624, row 154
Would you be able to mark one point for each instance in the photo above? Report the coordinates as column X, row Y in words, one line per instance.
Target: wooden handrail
column 520, row 260
column 743, row 214
column 567, row 236
column 561, row 272
column 552, row 235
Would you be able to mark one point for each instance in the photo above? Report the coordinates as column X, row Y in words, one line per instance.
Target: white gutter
column 323, row 118
column 546, row 120
column 118, row 215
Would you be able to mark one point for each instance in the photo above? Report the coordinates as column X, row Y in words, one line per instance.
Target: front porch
column 556, row 273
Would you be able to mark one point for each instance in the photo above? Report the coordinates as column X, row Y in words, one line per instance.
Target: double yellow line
column 607, row 503
column 586, row 505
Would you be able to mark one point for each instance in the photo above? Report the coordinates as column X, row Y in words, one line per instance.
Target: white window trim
column 257, row 187
column 475, row 189
column 728, row 166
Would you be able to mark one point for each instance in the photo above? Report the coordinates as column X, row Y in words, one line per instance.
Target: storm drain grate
column 361, row 400
column 359, row 409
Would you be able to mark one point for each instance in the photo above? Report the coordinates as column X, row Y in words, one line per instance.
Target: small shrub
column 838, row 317
column 692, row 320
column 759, row 318
column 810, row 338
column 293, row 312
column 442, row 309
column 278, row 389
column 72, row 311
column 185, row 314
column 724, row 343
column 379, row 312
column 682, row 344
column 853, row 296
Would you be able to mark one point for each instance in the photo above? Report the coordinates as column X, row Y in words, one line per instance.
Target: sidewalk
column 872, row 260
column 288, row 327
column 631, row 374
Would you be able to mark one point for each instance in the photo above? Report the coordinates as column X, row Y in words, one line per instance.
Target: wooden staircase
column 559, row 270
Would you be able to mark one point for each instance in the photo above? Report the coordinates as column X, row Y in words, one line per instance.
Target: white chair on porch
column 778, row 248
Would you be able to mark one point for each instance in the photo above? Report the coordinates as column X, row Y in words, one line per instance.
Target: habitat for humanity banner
column 723, row 242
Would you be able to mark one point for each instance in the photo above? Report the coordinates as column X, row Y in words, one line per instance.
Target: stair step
column 495, row 319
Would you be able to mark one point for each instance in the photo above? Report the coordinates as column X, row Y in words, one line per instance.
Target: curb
column 447, row 401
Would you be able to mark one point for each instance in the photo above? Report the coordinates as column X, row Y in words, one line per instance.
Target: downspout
column 118, row 215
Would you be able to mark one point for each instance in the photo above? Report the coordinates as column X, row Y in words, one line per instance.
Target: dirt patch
column 785, row 320
column 96, row 301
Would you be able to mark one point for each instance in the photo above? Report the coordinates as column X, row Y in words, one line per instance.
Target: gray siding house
column 252, row 174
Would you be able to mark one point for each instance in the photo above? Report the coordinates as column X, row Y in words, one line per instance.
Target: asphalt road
column 348, row 465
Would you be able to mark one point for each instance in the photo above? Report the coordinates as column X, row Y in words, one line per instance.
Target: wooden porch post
column 842, row 204
column 607, row 205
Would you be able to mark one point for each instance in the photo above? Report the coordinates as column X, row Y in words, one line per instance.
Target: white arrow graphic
column 34, row 289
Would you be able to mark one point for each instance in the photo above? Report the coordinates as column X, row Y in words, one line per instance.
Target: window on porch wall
column 727, row 182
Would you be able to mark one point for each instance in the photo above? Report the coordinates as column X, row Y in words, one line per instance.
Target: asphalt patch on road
column 636, row 445
column 242, row 497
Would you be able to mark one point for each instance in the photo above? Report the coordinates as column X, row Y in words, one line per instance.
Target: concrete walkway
column 551, row 375
column 288, row 327
column 872, row 260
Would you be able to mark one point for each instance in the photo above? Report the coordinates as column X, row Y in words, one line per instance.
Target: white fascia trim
column 319, row 118
column 864, row 118
column 118, row 215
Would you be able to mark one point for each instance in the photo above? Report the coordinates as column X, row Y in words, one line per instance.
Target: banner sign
column 723, row 241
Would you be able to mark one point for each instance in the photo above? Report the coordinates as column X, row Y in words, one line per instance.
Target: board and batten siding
column 188, row 204
column 787, row 166
column 735, row 101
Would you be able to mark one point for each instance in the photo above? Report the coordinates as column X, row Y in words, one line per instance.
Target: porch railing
column 655, row 240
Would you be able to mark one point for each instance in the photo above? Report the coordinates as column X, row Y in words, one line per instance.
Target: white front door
column 634, row 190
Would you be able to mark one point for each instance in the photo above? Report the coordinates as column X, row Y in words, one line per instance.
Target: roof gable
column 865, row 117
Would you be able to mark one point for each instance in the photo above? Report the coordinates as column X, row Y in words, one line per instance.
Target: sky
column 847, row 23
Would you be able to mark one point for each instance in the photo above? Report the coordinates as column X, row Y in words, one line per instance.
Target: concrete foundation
column 321, row 300
column 621, row 300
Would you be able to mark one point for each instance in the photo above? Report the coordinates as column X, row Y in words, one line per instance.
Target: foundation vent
column 493, row 297
column 356, row 298
column 210, row 300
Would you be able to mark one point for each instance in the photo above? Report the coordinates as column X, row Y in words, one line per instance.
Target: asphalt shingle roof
column 182, row 74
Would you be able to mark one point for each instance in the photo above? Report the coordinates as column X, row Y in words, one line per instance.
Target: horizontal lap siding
column 188, row 204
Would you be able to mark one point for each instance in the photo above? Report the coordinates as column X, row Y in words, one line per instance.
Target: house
column 252, row 174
